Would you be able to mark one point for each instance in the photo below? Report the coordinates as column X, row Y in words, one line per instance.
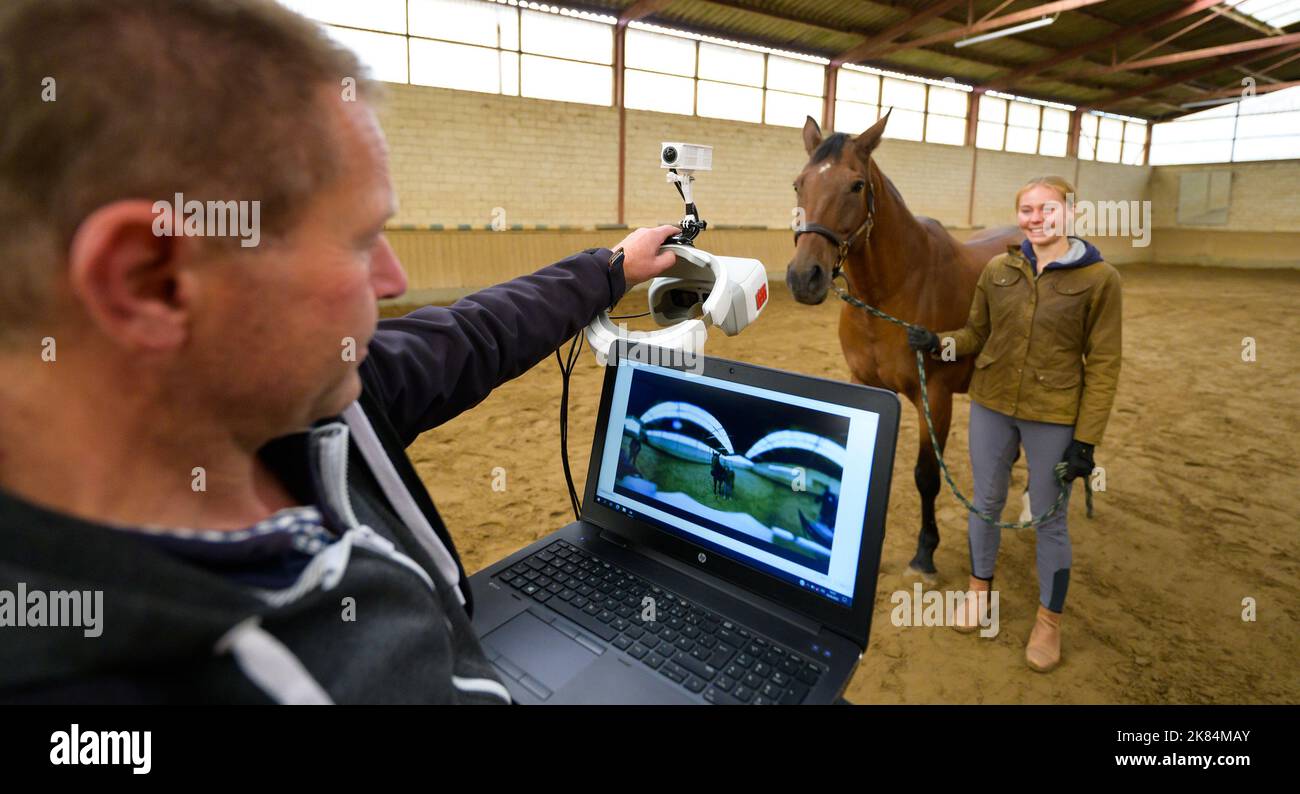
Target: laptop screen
column 775, row 481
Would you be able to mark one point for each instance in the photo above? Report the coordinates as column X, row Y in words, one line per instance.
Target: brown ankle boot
column 968, row 614
column 1043, row 652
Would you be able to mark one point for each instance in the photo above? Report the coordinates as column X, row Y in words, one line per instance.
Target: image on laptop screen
column 775, row 481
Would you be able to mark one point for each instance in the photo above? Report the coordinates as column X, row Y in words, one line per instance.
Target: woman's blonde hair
column 1054, row 182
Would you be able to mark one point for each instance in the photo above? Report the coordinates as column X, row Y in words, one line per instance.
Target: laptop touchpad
column 540, row 650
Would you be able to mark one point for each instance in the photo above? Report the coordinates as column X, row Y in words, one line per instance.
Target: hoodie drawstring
column 271, row 666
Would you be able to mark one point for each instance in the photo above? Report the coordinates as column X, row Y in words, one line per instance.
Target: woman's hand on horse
column 1078, row 460
column 641, row 258
column 923, row 339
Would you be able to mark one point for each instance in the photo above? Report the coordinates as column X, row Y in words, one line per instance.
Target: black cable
column 628, row 316
column 566, row 370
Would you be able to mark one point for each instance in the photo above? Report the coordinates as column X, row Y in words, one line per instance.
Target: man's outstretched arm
column 436, row 362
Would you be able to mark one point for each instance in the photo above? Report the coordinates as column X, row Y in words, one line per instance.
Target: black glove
column 1078, row 460
column 922, row 339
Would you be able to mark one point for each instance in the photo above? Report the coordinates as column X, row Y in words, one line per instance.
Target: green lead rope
column 1058, row 470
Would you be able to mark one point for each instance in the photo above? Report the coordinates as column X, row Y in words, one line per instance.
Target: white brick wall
column 1265, row 197
column 458, row 155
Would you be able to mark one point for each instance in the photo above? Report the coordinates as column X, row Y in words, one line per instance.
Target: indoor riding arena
column 915, row 356
column 520, row 133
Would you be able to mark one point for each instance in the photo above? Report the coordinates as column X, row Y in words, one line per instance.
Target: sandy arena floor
column 1199, row 511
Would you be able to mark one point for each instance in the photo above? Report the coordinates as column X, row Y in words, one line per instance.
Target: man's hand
column 641, row 260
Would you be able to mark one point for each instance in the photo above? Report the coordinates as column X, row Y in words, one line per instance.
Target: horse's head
column 833, row 192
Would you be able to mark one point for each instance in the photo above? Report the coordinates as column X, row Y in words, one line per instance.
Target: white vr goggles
column 699, row 290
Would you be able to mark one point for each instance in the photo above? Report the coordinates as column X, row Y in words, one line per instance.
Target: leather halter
column 843, row 244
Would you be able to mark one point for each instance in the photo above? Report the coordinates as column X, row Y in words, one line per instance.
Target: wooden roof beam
column 1289, row 40
column 868, row 47
column 1020, row 73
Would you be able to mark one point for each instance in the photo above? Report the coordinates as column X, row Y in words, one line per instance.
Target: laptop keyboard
column 693, row 647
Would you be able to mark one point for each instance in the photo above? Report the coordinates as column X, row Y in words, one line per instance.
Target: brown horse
column 905, row 265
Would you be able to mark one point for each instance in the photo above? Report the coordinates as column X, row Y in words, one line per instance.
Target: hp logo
column 702, row 558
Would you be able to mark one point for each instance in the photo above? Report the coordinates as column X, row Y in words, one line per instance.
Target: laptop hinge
column 845, row 637
column 612, row 538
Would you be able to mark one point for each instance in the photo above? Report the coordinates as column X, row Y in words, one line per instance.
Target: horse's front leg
column 927, row 476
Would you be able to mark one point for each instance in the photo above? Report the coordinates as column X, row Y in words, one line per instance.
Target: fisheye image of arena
column 781, row 491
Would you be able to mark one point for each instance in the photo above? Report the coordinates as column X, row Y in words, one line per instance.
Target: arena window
column 1018, row 124
column 991, row 130
column 674, row 71
column 659, row 71
column 907, row 98
column 384, row 54
column 731, row 83
column 794, row 91
column 857, row 100
column 1261, row 127
column 519, row 48
column 470, row 46
column 1056, row 130
column 1023, row 123
column 931, row 110
column 945, row 115
column 1108, row 138
column 511, row 48
column 1268, row 126
column 548, row 70
column 387, row 16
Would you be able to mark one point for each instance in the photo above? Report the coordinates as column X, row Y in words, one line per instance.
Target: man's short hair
column 102, row 100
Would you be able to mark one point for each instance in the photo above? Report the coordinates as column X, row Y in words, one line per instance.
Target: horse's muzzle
column 808, row 283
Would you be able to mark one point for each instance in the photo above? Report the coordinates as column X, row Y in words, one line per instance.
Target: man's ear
column 812, row 135
column 129, row 278
column 867, row 142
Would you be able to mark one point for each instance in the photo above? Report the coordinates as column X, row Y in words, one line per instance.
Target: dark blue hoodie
column 1080, row 253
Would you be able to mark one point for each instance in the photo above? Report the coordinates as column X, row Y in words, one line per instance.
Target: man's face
column 288, row 326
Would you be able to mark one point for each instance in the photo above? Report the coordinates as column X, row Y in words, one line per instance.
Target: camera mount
column 682, row 161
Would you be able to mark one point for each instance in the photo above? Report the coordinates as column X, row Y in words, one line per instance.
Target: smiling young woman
column 1045, row 325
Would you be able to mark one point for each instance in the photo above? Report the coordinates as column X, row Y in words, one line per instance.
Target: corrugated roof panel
column 745, row 24
column 833, row 26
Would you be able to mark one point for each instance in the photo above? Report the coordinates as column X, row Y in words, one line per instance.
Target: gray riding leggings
column 994, row 439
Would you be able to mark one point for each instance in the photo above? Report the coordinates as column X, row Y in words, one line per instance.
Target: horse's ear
column 867, row 142
column 812, row 135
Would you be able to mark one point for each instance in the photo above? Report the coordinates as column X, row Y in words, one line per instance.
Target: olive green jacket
column 1048, row 345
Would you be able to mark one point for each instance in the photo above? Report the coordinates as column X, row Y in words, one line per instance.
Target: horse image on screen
column 760, row 471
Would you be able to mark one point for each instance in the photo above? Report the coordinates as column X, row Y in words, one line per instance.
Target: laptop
column 728, row 548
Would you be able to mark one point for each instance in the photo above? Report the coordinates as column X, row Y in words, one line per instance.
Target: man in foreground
column 203, row 489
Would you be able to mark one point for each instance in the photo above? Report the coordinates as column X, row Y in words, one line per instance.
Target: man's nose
column 386, row 273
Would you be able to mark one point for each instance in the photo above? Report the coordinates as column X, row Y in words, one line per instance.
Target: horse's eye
column 858, row 186
column 795, row 185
